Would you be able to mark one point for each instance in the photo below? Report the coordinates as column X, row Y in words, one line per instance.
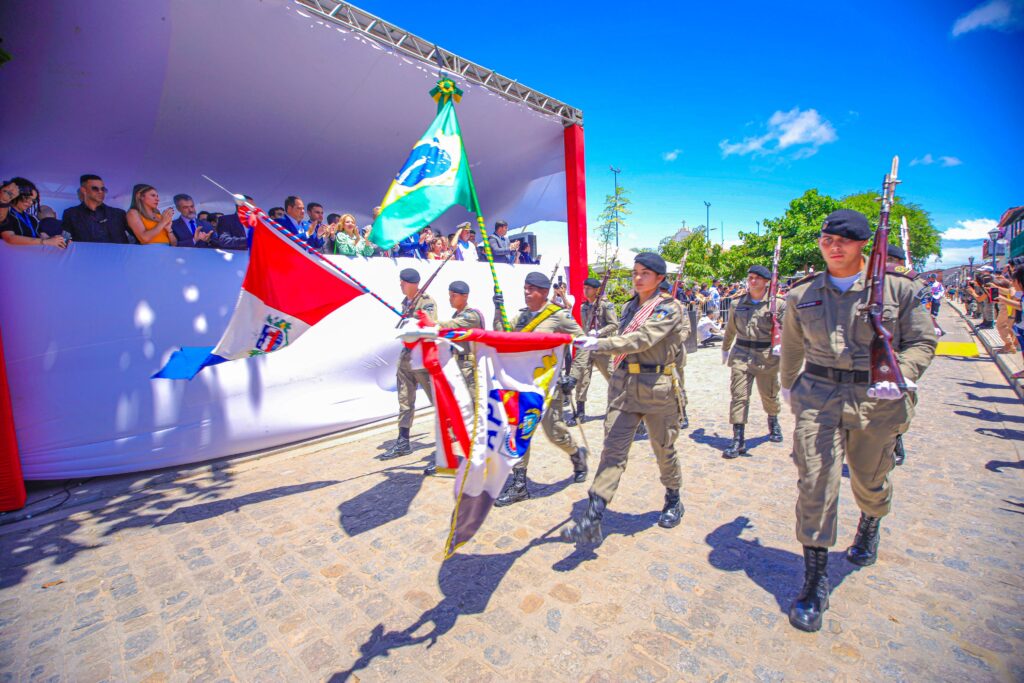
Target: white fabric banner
column 85, row 328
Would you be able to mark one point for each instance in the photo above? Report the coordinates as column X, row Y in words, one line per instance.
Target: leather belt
column 643, row 368
column 838, row 376
column 751, row 344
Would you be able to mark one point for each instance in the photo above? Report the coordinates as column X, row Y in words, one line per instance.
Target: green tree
column 612, row 219
column 704, row 261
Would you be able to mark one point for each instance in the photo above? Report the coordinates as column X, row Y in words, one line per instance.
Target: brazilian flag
column 434, row 178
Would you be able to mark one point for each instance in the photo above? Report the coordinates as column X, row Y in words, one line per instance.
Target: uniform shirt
column 426, row 304
column 607, row 320
column 559, row 322
column 468, row 318
column 825, row 326
column 105, row 224
column 751, row 321
column 656, row 342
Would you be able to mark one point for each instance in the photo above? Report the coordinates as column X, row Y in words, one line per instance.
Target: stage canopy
column 269, row 97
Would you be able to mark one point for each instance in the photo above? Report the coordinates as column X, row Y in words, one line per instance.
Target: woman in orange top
column 144, row 217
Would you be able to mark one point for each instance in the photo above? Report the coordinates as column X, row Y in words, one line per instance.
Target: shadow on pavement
column 384, row 502
column 779, row 572
column 624, row 524
column 1008, row 434
column 201, row 511
column 988, row 415
column 467, row 582
column 984, row 385
column 998, row 465
column 1010, row 502
column 719, row 443
column 1008, row 400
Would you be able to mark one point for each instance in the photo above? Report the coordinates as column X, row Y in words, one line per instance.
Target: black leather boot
column 401, row 446
column 515, row 489
column 774, row 429
column 864, row 550
column 807, row 610
column 684, row 421
column 430, row 470
column 738, row 446
column 581, row 412
column 899, row 454
column 587, row 529
column 672, row 512
column 579, row 465
column 570, row 419
column 641, row 432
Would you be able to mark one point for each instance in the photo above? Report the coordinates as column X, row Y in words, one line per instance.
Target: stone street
column 326, row 564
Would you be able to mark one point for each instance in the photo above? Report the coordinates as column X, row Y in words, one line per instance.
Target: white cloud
column 928, row 160
column 995, row 14
column 955, row 256
column 671, row 156
column 972, row 229
column 805, row 131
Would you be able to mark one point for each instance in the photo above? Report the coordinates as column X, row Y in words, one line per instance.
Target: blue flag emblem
column 426, row 161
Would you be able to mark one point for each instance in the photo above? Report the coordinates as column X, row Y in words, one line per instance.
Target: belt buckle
column 845, row 376
column 633, row 368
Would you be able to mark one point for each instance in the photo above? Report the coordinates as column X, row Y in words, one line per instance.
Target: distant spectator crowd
column 24, row 221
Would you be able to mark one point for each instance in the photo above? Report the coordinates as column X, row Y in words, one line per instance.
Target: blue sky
column 748, row 104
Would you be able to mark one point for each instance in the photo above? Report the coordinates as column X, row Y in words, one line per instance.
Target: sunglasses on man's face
column 97, row 189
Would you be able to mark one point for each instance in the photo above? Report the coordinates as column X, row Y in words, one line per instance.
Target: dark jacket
column 185, row 237
column 231, row 234
column 105, row 224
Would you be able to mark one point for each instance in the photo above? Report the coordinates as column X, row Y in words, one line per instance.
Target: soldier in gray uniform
column 642, row 388
column 897, row 259
column 407, row 378
column 540, row 315
column 751, row 359
column 465, row 318
column 825, row 372
column 605, row 322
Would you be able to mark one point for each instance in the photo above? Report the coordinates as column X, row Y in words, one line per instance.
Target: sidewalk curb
column 997, row 357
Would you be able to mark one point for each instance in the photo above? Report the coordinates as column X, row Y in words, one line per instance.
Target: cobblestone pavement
column 329, row 565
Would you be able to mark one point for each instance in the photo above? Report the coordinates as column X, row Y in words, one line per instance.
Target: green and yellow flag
column 434, row 178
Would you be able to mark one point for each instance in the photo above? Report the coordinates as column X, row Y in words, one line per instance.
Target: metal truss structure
column 406, row 43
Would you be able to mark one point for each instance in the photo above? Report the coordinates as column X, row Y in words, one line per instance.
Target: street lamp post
column 616, row 172
column 993, row 235
column 970, row 261
column 707, row 221
column 758, row 228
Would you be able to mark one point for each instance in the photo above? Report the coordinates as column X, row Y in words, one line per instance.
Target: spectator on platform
column 522, row 252
column 94, row 221
column 315, row 219
column 416, row 245
column 708, row 329
column 214, row 219
column 501, row 250
column 231, row 234
column 48, row 221
column 276, row 213
column 348, row 241
column 294, row 218
column 19, row 204
column 189, row 230
column 461, row 243
column 147, row 222
column 439, row 250
column 203, row 216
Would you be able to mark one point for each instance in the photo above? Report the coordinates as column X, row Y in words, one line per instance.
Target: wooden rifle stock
column 407, row 310
column 884, row 365
column 773, row 304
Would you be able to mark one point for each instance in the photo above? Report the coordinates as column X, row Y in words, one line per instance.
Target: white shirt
column 843, row 283
column 706, row 328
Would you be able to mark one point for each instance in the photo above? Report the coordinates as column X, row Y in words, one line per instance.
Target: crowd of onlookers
column 995, row 298
column 24, row 221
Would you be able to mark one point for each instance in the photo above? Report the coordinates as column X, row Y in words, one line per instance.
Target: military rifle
column 411, row 306
column 773, row 302
column 680, row 274
column 884, row 365
column 592, row 320
column 905, row 238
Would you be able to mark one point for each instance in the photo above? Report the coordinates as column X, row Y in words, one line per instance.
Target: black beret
column 591, row 282
column 459, row 287
column 410, row 275
column 539, row 280
column 761, row 271
column 896, row 252
column 651, row 261
column 852, row 225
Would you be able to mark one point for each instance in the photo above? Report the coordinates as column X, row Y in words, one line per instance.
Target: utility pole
column 616, row 172
column 707, row 221
column 758, row 228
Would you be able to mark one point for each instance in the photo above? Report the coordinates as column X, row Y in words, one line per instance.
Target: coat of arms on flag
column 515, row 373
column 273, row 336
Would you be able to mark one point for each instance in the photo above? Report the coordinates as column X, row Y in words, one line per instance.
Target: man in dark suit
column 231, row 234
column 190, row 230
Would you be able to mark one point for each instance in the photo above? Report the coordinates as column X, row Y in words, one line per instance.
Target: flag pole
column 264, row 219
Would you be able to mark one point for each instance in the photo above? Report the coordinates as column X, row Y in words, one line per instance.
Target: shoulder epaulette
column 805, row 279
column 908, row 273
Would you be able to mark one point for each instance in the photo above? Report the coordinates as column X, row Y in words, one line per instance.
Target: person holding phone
column 146, row 221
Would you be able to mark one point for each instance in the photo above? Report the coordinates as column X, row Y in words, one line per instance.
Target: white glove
column 411, row 334
column 592, row 333
column 587, row 343
column 725, row 356
column 889, row 391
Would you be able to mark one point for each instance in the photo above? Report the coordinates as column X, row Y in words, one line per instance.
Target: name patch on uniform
column 742, row 308
column 808, row 304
